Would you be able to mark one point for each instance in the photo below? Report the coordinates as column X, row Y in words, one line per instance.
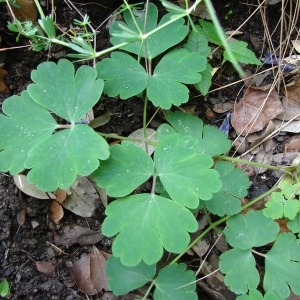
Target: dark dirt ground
column 22, row 245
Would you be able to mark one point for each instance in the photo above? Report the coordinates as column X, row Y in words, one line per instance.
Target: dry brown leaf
column 98, row 275
column 81, row 272
column 21, row 216
column 56, row 211
column 296, row 45
column 292, row 110
column 200, row 11
column 78, row 235
column 248, row 110
column 292, row 90
column 45, row 267
column 30, row 189
column 26, row 11
column 3, row 87
column 81, row 197
column 223, row 107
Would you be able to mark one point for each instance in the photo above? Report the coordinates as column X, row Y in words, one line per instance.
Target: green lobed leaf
column 177, row 160
column 25, row 124
column 239, row 267
column 241, row 53
column 170, row 281
column 61, row 91
column 294, row 225
column 127, row 168
column 123, row 279
column 198, row 42
column 56, row 160
column 211, row 140
column 282, row 266
column 245, row 232
column 278, row 206
column 185, row 69
column 157, row 42
column 123, row 75
column 210, row 30
column 256, row 295
column 204, row 85
column 234, row 186
column 145, row 224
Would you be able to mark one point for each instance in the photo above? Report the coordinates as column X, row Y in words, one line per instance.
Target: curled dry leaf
column 56, row 210
column 296, row 45
column 26, row 11
column 45, row 267
column 30, row 189
column 255, row 110
column 3, row 87
column 78, row 235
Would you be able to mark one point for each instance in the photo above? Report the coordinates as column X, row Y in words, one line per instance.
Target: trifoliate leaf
column 57, row 160
column 239, row 267
column 185, row 69
column 198, row 42
column 211, row 140
column 278, row 207
column 67, row 95
column 234, row 185
column 256, row 295
column 25, row 124
column 282, row 266
column 123, row 75
column 170, row 283
column 123, row 279
column 145, row 224
column 128, row 167
column 204, row 85
column 177, row 160
column 294, row 225
column 155, row 43
column 245, row 232
column 241, row 53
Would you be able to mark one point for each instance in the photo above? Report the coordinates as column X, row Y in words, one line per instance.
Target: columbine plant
column 187, row 161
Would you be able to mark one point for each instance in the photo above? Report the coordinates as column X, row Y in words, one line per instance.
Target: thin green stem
column 119, row 137
column 250, row 163
column 217, row 223
column 149, row 290
column 39, row 8
column 222, row 36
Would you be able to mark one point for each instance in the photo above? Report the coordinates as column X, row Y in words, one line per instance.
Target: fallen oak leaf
column 78, row 235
